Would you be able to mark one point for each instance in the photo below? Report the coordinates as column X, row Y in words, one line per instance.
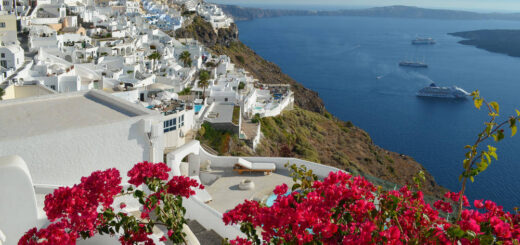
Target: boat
column 415, row 64
column 433, row 90
column 423, row 41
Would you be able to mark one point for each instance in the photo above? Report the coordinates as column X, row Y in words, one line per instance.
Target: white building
column 66, row 136
column 8, row 28
column 11, row 56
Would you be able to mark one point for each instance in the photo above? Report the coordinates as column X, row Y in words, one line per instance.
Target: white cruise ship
column 442, row 92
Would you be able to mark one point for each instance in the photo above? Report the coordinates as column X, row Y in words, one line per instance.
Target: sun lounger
column 243, row 165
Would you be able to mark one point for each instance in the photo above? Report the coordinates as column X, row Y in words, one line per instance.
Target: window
column 2, row 55
column 2, row 24
column 3, row 63
column 181, row 121
column 53, row 87
column 225, row 99
column 170, row 125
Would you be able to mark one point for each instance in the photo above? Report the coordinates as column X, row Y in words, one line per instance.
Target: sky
column 476, row 5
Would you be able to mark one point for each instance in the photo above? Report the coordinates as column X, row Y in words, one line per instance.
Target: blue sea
column 340, row 58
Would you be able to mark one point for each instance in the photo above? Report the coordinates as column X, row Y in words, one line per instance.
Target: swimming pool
column 270, row 200
column 197, row 108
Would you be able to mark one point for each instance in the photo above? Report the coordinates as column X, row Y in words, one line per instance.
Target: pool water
column 197, row 108
column 270, row 200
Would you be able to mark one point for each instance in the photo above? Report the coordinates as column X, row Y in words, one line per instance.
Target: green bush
column 185, row 91
column 241, row 59
column 218, row 140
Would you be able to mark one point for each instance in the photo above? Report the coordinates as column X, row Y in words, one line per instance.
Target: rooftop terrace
column 222, row 185
column 40, row 115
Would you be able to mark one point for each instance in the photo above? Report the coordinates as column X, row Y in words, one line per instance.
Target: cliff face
column 322, row 138
column 310, row 132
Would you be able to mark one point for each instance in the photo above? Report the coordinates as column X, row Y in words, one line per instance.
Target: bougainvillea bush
column 87, row 209
column 342, row 209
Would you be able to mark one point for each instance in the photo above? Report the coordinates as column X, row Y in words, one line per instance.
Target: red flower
column 147, row 170
column 181, row 186
column 136, row 237
column 443, row 206
column 281, row 189
column 478, row 204
column 55, row 233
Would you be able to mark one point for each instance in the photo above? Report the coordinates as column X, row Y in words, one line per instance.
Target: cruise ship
column 421, row 41
column 415, row 64
column 443, row 92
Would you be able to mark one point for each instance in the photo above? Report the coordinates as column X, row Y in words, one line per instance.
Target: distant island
column 498, row 41
column 246, row 13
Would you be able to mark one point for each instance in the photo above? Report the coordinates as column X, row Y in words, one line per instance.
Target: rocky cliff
column 309, row 132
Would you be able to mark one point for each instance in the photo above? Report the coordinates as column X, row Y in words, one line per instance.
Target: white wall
column 228, row 161
column 287, row 102
column 63, row 157
column 173, row 138
column 18, row 211
column 210, row 218
column 68, row 83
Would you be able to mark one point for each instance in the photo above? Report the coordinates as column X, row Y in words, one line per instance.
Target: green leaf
column 495, row 106
column 478, row 103
column 517, row 113
column 472, row 179
column 485, row 154
column 500, row 135
column 512, row 125
column 492, row 151
column 465, row 163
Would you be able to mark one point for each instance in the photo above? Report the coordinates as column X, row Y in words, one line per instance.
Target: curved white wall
column 18, row 211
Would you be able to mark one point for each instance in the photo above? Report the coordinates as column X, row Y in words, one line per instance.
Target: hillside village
column 90, row 85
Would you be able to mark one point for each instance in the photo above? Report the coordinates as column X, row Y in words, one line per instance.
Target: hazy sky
column 482, row 5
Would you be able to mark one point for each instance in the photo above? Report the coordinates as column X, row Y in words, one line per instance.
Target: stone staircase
column 209, row 149
column 205, row 237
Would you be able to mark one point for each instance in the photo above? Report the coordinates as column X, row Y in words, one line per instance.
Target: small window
column 2, row 24
column 53, row 87
column 181, row 121
column 225, row 99
column 2, row 55
column 170, row 125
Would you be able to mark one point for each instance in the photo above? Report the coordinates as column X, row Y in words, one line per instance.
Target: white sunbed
column 243, row 165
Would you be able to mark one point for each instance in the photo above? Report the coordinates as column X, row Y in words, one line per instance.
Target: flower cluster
column 87, row 209
column 343, row 209
column 181, row 186
column 143, row 170
column 75, row 210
